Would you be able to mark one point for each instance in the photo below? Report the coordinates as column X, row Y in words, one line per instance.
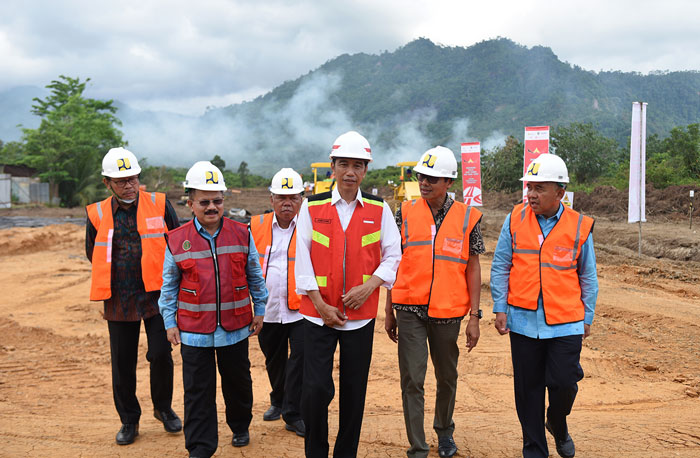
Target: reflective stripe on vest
column 547, row 266
column 213, row 288
column 443, row 286
column 344, row 259
column 261, row 228
column 150, row 212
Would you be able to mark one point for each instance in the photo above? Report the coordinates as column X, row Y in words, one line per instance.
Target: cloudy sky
column 182, row 55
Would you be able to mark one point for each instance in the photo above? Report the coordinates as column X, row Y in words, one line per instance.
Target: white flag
column 638, row 151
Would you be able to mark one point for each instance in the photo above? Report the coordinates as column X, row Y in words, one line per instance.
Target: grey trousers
column 415, row 336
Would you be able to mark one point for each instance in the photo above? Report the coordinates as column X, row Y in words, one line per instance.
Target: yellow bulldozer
column 408, row 188
column 326, row 182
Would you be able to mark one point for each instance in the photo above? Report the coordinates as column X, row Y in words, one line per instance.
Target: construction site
column 639, row 396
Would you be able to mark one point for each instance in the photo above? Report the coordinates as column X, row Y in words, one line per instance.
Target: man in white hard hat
column 124, row 242
column 211, row 271
column 544, row 287
column 437, row 285
column 347, row 246
column 282, row 337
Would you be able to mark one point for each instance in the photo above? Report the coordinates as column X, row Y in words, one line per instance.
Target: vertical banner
column 471, row 174
column 636, row 211
column 536, row 143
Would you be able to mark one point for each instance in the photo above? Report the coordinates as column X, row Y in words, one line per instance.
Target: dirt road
column 639, row 396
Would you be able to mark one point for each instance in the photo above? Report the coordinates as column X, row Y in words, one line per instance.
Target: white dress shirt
column 277, row 310
column 390, row 240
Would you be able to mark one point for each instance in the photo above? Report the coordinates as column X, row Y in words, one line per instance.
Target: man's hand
column 256, row 325
column 586, row 330
column 472, row 333
column 173, row 335
column 357, row 296
column 331, row 316
column 501, row 319
column 390, row 327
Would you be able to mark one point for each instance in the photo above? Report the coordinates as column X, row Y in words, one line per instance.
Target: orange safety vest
column 343, row 259
column 261, row 228
column 150, row 223
column 547, row 265
column 443, row 286
column 213, row 287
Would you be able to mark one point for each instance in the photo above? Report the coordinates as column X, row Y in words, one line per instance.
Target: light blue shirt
column 171, row 287
column 531, row 323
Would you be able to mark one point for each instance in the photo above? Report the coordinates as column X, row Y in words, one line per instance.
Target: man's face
column 348, row 173
column 286, row 207
column 544, row 197
column 432, row 191
column 207, row 206
column 126, row 188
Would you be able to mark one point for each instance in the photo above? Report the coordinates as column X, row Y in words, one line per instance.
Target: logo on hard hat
column 212, row 177
column 429, row 161
column 287, row 183
column 532, row 169
column 123, row 164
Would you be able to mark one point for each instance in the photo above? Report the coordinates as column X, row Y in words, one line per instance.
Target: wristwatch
column 479, row 314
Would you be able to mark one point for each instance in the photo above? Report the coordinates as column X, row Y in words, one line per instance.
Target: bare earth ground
column 639, row 396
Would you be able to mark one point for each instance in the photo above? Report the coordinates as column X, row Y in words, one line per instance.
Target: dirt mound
column 49, row 238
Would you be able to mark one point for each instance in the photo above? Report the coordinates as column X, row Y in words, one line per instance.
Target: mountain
column 405, row 102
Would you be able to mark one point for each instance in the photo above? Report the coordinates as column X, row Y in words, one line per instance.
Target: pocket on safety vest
column 453, row 246
column 188, row 267
column 240, row 293
column 563, row 255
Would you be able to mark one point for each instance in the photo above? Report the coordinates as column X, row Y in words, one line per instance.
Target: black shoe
column 565, row 447
column 127, row 434
column 297, row 426
column 240, row 439
column 446, row 446
column 273, row 413
column 171, row 422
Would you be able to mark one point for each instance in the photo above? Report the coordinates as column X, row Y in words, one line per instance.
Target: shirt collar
column 116, row 206
column 557, row 215
column 204, row 232
column 335, row 196
column 292, row 223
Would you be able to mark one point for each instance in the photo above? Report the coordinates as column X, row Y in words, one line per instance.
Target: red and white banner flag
column 471, row 174
column 536, row 143
column 638, row 153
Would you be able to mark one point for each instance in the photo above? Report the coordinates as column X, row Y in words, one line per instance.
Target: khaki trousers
column 415, row 336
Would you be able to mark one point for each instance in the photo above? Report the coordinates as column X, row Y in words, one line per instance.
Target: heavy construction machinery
column 408, row 188
column 326, row 182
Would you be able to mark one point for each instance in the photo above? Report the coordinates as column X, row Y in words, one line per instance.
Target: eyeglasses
column 133, row 181
column 431, row 180
column 205, row 203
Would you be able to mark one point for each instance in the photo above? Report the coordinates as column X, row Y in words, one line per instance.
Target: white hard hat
column 286, row 181
column 120, row 163
column 205, row 176
column 437, row 162
column 547, row 167
column 351, row 145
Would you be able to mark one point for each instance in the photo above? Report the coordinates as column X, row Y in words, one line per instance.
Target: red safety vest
column 150, row 210
column 261, row 228
column 443, row 285
column 213, row 287
column 343, row 259
column 547, row 266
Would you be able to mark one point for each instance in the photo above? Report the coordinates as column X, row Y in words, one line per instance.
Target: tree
column 685, row 143
column 503, row 167
column 11, row 153
column 243, row 173
column 219, row 162
column 587, row 153
column 68, row 146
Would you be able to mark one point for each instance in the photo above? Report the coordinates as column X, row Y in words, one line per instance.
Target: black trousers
column 318, row 391
column 124, row 347
column 283, row 347
column 539, row 363
column 199, row 381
